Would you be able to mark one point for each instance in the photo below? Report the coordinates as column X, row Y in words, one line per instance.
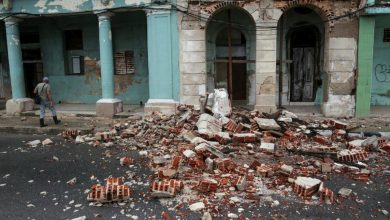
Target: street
column 33, row 186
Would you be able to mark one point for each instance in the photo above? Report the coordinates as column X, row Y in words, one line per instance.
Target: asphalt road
column 33, row 186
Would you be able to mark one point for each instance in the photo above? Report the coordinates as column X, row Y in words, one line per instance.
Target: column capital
column 12, row 20
column 104, row 15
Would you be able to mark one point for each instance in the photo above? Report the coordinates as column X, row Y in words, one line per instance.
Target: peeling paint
column 15, row 40
column 73, row 5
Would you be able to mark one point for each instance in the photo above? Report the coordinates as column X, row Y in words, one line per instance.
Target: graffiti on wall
column 382, row 73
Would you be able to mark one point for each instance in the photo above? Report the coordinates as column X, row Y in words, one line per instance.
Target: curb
column 83, row 115
column 37, row 130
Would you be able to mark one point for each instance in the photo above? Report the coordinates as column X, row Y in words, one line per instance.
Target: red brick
column 176, row 162
column 208, row 185
column 306, row 186
column 166, row 188
column 225, row 165
column 321, row 139
column 244, row 138
column 351, row 155
column 231, row 125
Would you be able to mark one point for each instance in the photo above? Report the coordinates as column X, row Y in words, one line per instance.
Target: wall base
column 17, row 106
column 108, row 107
column 165, row 106
column 266, row 108
column 339, row 106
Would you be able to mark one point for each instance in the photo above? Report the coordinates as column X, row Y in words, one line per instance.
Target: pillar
column 161, row 62
column 365, row 64
column 108, row 105
column 19, row 102
column 266, row 69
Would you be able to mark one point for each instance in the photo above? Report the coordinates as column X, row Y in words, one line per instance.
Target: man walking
column 44, row 91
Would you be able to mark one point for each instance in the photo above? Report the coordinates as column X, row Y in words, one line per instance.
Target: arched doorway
column 231, row 44
column 300, row 46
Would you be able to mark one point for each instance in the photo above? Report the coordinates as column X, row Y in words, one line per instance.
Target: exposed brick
column 231, row 125
column 176, row 162
column 70, row 134
column 351, row 155
column 114, row 190
column 109, row 193
column 208, row 185
column 166, row 188
column 244, row 138
column 197, row 163
column 306, row 186
column 326, row 194
column 321, row 139
column 125, row 161
column 225, row 165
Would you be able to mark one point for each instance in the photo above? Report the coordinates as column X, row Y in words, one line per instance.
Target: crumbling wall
column 67, row 6
column 87, row 88
column 196, row 73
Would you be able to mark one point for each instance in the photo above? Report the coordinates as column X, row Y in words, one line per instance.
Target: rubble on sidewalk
column 226, row 156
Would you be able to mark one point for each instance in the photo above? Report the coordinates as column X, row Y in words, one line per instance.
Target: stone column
column 19, row 103
column 160, row 62
column 108, row 106
column 266, row 68
column 365, row 65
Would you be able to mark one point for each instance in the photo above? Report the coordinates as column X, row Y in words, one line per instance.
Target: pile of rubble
column 217, row 157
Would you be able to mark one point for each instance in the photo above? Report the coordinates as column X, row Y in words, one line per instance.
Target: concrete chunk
column 208, row 124
column 267, row 124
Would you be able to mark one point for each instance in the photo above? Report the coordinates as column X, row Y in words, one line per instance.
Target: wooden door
column 239, row 81
column 302, row 75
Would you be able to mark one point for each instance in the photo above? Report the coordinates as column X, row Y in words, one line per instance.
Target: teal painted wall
column 160, row 59
column 380, row 92
column 5, row 81
column 129, row 33
column 68, row 6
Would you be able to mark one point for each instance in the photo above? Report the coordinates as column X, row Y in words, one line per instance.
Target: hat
column 45, row 78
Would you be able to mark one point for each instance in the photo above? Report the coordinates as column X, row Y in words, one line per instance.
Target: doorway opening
column 231, row 44
column 300, row 57
column 32, row 61
column 231, row 50
column 304, row 66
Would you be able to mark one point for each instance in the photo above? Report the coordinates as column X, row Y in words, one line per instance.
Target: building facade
column 373, row 87
column 93, row 51
column 271, row 53
column 267, row 53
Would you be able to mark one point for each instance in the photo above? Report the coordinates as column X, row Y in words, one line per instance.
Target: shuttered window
column 124, row 62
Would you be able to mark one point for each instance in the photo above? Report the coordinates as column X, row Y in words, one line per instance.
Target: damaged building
column 93, row 51
column 267, row 54
column 271, row 53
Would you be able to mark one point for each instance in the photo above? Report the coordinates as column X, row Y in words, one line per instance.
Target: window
column 386, row 35
column 124, row 62
column 74, row 51
column 29, row 38
column 77, row 64
column 74, row 40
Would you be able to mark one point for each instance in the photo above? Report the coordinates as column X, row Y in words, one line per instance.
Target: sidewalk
column 73, row 116
column 83, row 117
column 86, row 110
